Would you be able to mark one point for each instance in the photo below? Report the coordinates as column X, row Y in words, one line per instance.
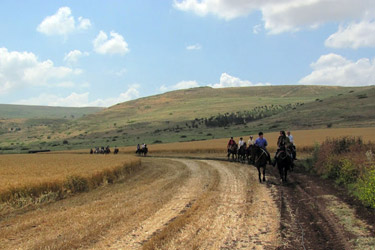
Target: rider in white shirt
column 240, row 142
column 290, row 137
column 251, row 141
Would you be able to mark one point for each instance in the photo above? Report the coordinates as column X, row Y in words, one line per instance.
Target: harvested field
column 193, row 204
column 23, row 176
column 304, row 140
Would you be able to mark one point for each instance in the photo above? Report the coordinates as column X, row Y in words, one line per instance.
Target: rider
column 292, row 146
column 241, row 142
column 262, row 143
column 251, row 141
column 283, row 143
column 231, row 142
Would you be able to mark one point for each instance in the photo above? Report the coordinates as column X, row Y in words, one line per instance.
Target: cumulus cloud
column 19, row 69
column 130, row 94
column 74, row 55
column 355, row 35
column 194, row 47
column 227, row 81
column 283, row 15
column 180, row 85
column 80, row 100
column 115, row 45
column 333, row 69
column 62, row 23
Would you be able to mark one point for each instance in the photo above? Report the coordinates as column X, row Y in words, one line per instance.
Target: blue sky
column 99, row 53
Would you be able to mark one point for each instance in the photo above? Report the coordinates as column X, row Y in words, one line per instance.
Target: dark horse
column 260, row 157
column 232, row 150
column 142, row 151
column 250, row 154
column 242, row 153
column 284, row 163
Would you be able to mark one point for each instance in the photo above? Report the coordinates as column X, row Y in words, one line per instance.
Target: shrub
column 348, row 172
column 349, row 162
column 366, row 188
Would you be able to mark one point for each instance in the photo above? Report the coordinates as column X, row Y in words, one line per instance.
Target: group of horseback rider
column 142, row 149
column 285, row 143
column 103, row 150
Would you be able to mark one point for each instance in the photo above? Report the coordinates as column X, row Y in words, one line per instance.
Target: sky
column 100, row 53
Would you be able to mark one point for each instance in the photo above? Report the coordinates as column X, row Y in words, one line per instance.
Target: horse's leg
column 264, row 173
column 280, row 167
column 259, row 174
column 285, row 174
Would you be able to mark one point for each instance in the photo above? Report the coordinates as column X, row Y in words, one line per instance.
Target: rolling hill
column 196, row 114
column 10, row 111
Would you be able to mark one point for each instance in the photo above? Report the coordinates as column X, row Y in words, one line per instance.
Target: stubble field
column 173, row 203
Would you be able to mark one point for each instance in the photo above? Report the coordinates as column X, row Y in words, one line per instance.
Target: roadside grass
column 39, row 178
column 347, row 218
column 350, row 163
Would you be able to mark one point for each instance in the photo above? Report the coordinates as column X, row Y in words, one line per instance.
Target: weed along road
column 178, row 204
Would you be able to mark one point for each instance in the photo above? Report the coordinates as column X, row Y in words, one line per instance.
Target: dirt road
column 186, row 204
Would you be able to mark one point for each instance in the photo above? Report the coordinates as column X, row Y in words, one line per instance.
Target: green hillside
column 197, row 114
column 9, row 111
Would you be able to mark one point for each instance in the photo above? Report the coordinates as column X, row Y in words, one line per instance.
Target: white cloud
column 19, row 69
column 194, row 47
column 130, row 94
column 80, row 100
column 227, row 81
column 355, row 35
column 227, row 9
column 180, row 85
column 120, row 72
column 283, row 15
column 62, row 23
column 74, row 55
column 115, row 45
column 257, row 28
column 333, row 69
column 73, row 100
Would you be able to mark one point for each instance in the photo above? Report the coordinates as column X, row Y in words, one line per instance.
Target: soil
column 176, row 203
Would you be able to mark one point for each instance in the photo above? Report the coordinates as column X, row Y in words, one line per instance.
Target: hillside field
column 194, row 115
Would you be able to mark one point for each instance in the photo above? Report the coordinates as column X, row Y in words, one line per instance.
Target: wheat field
column 33, row 175
column 303, row 139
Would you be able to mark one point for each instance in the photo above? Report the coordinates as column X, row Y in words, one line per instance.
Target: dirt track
column 191, row 204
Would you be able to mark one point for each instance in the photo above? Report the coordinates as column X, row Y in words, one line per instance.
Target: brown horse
column 232, row 150
column 260, row 157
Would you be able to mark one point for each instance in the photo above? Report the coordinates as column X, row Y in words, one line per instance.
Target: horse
column 242, row 153
column 284, row 163
column 250, row 154
column 142, row 151
column 115, row 151
column 232, row 150
column 260, row 157
column 107, row 150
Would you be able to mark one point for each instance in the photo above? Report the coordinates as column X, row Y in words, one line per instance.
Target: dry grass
column 31, row 176
column 304, row 140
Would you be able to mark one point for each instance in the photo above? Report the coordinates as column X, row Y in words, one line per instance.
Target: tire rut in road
column 306, row 222
column 184, row 196
column 236, row 212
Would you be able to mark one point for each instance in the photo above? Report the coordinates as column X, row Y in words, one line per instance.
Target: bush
column 349, row 162
column 348, row 172
column 366, row 188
